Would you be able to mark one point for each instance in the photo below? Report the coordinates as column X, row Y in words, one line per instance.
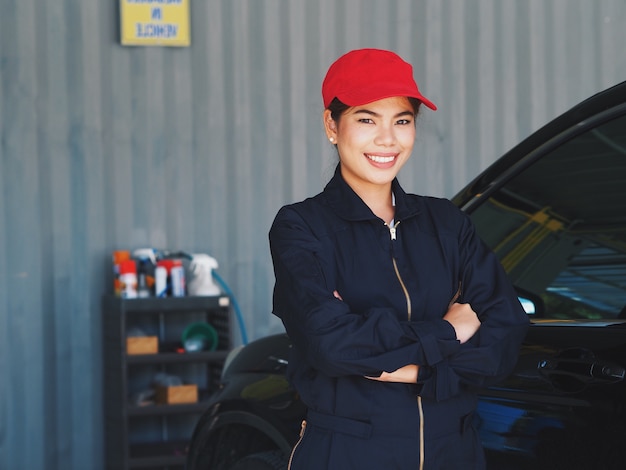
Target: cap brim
column 360, row 99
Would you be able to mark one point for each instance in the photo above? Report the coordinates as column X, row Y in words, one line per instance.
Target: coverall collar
column 348, row 205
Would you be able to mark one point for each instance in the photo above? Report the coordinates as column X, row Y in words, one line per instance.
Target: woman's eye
column 404, row 122
column 366, row 120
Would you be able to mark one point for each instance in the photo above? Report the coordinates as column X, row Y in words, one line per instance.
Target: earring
column 332, row 139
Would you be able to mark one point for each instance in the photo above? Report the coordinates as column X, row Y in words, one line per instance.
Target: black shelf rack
column 155, row 436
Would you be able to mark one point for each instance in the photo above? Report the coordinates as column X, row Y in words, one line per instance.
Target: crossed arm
column 465, row 323
column 463, row 319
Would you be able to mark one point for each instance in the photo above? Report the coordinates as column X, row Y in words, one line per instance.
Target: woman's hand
column 464, row 321
column 406, row 374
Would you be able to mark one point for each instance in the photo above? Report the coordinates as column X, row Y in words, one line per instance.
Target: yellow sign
column 155, row 22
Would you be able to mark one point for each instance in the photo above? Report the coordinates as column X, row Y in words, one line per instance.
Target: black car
column 554, row 211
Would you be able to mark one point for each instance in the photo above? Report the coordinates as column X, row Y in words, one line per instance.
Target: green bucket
column 199, row 337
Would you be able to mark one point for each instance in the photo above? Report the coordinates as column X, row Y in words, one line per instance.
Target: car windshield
column 559, row 227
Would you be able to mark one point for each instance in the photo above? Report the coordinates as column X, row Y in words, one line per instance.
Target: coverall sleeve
column 335, row 340
column 492, row 352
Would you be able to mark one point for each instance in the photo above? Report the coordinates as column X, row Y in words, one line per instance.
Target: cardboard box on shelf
column 176, row 394
column 142, row 345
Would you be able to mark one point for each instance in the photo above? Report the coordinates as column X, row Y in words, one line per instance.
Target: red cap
column 127, row 266
column 167, row 263
column 365, row 75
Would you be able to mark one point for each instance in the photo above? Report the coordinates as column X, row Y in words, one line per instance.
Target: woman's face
column 374, row 141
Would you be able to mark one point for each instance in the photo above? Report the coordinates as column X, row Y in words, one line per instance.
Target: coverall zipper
column 392, row 232
column 293, row 451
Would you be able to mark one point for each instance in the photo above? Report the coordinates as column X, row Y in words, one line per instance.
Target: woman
column 396, row 309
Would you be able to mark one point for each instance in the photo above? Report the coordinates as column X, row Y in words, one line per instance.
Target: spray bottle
column 146, row 263
column 201, row 281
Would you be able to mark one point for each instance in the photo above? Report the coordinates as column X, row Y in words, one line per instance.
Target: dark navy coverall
column 396, row 284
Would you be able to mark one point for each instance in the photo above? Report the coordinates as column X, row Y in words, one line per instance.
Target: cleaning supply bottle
column 160, row 280
column 200, row 280
column 128, row 279
column 146, row 263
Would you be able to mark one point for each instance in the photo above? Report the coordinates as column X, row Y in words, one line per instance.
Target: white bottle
column 160, row 281
column 201, row 275
column 177, row 278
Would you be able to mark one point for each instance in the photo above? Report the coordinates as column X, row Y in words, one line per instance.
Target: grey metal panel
column 104, row 147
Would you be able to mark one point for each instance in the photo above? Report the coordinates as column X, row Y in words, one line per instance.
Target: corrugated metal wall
column 106, row 147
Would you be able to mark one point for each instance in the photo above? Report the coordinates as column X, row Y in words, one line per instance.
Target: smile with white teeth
column 380, row 159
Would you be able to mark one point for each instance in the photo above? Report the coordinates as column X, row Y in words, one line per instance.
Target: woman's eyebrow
column 375, row 114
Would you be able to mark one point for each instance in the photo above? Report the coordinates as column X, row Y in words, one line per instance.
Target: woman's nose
column 385, row 135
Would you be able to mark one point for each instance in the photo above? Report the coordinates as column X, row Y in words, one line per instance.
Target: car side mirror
column 528, row 306
column 531, row 303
